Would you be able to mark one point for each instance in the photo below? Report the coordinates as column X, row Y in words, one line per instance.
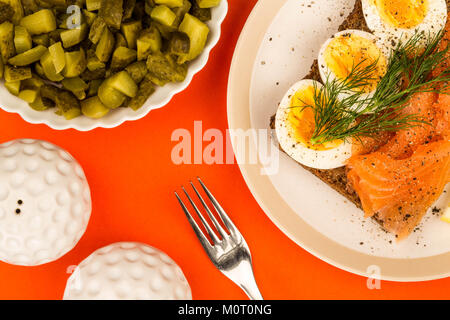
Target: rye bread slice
column 337, row 178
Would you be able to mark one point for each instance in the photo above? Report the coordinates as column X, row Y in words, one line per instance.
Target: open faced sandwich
column 372, row 119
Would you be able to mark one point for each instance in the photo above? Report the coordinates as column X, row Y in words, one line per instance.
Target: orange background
column 132, row 180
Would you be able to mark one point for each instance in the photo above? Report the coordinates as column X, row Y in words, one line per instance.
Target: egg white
column 327, row 159
column 433, row 22
column 325, row 71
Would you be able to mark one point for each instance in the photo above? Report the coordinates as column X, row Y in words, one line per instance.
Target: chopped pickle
column 202, row 14
column 122, row 82
column 93, row 87
column 22, row 39
column 181, row 11
column 89, row 16
column 130, row 31
column 149, row 41
column 179, row 45
column 40, row 104
column 163, row 15
column 42, row 39
column 93, row 63
column 128, row 8
column 109, row 96
column 29, row 6
column 105, row 46
column 39, row 69
column 17, row 74
column 120, row 41
column 28, row 95
column 13, row 87
column 89, row 75
column 6, row 12
column 28, row 57
column 74, row 84
column 33, row 83
column 17, row 7
column 81, row 95
column 170, row 3
column 197, row 32
column 73, row 37
column 48, row 68
column 122, row 57
column 7, row 48
column 165, row 31
column 54, row 36
column 75, row 63
column 92, row 5
column 43, row 21
column 97, row 29
column 146, row 89
column 49, row 92
column 137, row 71
column 68, row 104
column 163, row 68
column 111, row 11
column 58, row 57
column 94, row 108
column 207, row 3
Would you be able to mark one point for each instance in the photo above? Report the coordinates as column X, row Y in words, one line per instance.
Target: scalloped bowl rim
column 161, row 97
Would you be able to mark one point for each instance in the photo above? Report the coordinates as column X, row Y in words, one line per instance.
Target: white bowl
column 160, row 98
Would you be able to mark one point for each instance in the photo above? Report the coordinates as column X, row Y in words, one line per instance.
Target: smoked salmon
column 399, row 177
column 400, row 191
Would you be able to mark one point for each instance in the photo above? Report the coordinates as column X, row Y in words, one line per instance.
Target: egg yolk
column 347, row 51
column 404, row 14
column 302, row 121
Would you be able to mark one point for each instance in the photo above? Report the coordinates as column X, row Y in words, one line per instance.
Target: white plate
column 280, row 41
column 160, row 98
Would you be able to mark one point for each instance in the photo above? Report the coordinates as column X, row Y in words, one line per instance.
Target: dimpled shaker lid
column 45, row 202
column 128, row 271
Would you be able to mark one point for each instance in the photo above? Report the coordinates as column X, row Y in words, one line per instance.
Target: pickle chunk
column 109, row 96
column 197, row 32
column 112, row 11
column 94, row 108
column 17, row 74
column 7, row 48
column 28, row 57
column 22, row 39
column 123, row 83
column 146, row 89
column 43, row 21
column 207, row 3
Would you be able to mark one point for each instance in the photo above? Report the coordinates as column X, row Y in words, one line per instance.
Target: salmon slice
column 442, row 46
column 365, row 145
column 403, row 144
column 443, row 116
column 400, row 191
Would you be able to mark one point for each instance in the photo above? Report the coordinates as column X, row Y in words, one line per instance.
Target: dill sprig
column 342, row 111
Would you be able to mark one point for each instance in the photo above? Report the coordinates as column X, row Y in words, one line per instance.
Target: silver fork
column 229, row 253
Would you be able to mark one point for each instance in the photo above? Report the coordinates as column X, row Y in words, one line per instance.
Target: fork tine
column 205, row 223
column 204, row 241
column 226, row 220
column 216, row 223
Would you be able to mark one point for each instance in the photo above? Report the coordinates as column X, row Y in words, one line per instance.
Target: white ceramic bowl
column 160, row 98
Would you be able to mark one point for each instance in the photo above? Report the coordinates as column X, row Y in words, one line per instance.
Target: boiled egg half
column 398, row 20
column 351, row 49
column 295, row 126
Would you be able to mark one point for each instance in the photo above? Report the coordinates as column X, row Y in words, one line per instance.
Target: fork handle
column 252, row 290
